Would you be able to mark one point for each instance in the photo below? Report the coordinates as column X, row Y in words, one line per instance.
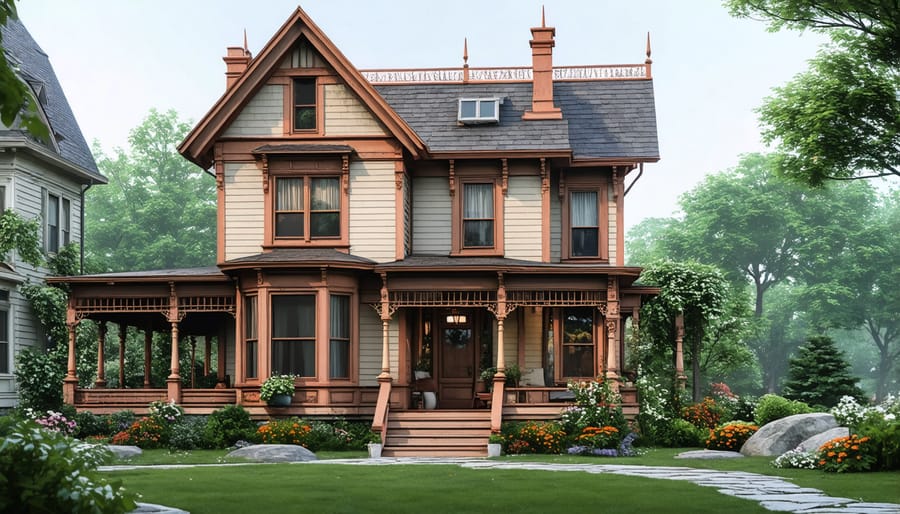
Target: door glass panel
column 456, row 358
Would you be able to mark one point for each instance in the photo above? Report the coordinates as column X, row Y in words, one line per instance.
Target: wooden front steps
column 437, row 433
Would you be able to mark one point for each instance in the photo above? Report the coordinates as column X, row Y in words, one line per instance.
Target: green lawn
column 446, row 488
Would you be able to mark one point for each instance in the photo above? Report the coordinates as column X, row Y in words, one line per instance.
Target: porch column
column 173, row 382
column 501, row 317
column 680, row 377
column 123, row 330
column 220, row 363
column 385, row 312
column 207, row 347
column 70, row 383
column 101, row 366
column 148, row 349
column 612, row 330
column 193, row 341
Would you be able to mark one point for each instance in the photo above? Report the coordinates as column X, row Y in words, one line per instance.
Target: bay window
column 294, row 335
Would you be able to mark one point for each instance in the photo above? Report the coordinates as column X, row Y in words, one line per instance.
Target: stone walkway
column 773, row 493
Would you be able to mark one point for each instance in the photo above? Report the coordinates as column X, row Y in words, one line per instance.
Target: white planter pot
column 494, row 449
column 375, row 450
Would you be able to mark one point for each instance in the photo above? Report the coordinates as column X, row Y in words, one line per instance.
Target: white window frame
column 478, row 118
column 6, row 310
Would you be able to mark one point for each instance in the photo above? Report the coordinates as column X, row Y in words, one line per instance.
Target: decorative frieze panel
column 510, row 74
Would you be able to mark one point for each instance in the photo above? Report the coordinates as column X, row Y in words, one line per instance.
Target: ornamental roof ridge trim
column 506, row 74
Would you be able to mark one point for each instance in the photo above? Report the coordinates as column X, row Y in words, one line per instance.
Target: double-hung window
column 52, row 223
column 307, row 208
column 339, row 343
column 294, row 334
column 305, row 96
column 584, row 224
column 578, row 343
column 585, row 217
column 5, row 359
column 478, row 215
column 57, row 214
column 251, row 336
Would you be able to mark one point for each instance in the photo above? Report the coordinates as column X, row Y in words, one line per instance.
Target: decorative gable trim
column 197, row 146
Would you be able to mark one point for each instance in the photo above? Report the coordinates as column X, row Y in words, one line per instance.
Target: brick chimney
column 236, row 61
column 542, row 43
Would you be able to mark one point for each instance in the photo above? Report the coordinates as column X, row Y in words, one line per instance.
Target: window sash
column 307, row 205
column 251, row 366
column 478, row 215
column 578, row 342
column 339, row 344
column 4, row 341
column 325, row 207
column 52, row 223
column 66, row 221
column 584, row 221
column 304, row 104
column 294, row 334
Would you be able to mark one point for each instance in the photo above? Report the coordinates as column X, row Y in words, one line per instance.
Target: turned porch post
column 70, row 383
column 123, row 330
column 101, row 366
column 385, row 312
column 680, row 377
column 612, row 330
column 173, row 382
column 207, row 347
column 148, row 349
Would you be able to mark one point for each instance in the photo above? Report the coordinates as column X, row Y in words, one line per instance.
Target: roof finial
column 465, row 51
column 543, row 17
column 247, row 50
column 648, row 61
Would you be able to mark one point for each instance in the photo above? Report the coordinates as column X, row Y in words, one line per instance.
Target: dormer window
column 479, row 110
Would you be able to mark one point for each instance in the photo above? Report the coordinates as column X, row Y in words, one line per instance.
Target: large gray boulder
column 274, row 453
column 813, row 443
column 787, row 433
column 123, row 451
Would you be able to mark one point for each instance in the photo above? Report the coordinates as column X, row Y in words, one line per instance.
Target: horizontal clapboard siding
column 372, row 206
column 244, row 216
column 262, row 116
column 431, row 216
column 522, row 219
column 346, row 115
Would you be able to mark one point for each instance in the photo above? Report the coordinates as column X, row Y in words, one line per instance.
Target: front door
column 458, row 360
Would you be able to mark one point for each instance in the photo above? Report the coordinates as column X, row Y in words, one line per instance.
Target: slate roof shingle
column 34, row 66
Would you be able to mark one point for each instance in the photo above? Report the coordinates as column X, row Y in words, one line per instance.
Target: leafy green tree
column 819, row 374
column 158, row 210
column 20, row 235
column 696, row 291
column 840, row 119
column 857, row 285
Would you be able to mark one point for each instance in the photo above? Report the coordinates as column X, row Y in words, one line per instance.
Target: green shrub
column 228, row 425
column 337, row 435
column 187, row 433
column 40, row 377
column 596, row 405
column 119, row 421
column 46, row 471
column 680, row 433
column 88, row 424
column 744, row 409
column 772, row 407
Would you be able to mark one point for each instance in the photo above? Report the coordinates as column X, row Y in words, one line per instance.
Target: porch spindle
column 207, row 347
column 101, row 365
column 70, row 383
column 176, row 371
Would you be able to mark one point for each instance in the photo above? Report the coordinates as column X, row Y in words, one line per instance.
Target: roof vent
column 475, row 111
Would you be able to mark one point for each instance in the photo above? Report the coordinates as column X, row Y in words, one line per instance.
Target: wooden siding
column 262, row 116
column 555, row 224
column 613, row 230
column 370, row 346
column 534, row 321
column 431, row 216
column 244, row 220
column 372, row 204
column 522, row 219
column 346, row 115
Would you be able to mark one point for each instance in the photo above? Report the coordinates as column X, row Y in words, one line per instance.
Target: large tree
column 840, row 119
column 17, row 102
column 158, row 210
column 819, row 374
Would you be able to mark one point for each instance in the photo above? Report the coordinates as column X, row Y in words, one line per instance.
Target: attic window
column 479, row 110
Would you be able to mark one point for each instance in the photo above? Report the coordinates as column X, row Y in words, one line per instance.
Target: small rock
column 124, row 452
column 708, row 454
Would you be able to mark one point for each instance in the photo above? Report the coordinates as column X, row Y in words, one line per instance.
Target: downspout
column 81, row 238
column 640, row 172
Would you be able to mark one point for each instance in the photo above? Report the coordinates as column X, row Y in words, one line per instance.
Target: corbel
column 220, row 167
column 259, row 277
column 324, row 271
column 562, row 184
column 504, row 175
column 345, row 173
column 452, row 177
column 264, row 167
column 545, row 176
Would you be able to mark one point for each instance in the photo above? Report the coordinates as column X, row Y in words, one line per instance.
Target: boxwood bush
column 772, row 407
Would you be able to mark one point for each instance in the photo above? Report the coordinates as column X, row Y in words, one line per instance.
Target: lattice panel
column 206, row 304
column 554, row 298
column 443, row 298
column 106, row 304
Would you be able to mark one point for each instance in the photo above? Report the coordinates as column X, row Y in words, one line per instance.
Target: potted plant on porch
column 278, row 390
column 374, row 445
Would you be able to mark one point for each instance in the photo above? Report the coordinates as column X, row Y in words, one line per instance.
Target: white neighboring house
column 37, row 180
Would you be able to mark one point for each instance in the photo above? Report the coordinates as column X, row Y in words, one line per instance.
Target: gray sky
column 117, row 59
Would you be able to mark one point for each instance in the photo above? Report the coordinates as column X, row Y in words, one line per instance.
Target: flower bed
column 730, row 437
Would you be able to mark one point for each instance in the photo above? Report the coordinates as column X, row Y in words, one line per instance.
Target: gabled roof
column 602, row 120
column 197, row 146
column 34, row 67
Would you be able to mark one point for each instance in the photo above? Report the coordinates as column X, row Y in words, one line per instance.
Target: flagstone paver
column 773, row 493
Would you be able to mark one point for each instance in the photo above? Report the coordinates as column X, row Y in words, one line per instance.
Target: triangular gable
column 197, row 146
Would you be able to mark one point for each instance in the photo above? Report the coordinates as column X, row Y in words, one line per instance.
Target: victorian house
column 388, row 235
column 41, row 179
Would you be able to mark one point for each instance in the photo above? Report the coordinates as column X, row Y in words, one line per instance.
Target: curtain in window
column 585, row 224
column 339, row 346
column 250, row 331
column 478, row 215
column 288, row 201
column 325, row 200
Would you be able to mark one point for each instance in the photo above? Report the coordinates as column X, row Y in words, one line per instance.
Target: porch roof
column 431, row 263
column 300, row 257
column 204, row 274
